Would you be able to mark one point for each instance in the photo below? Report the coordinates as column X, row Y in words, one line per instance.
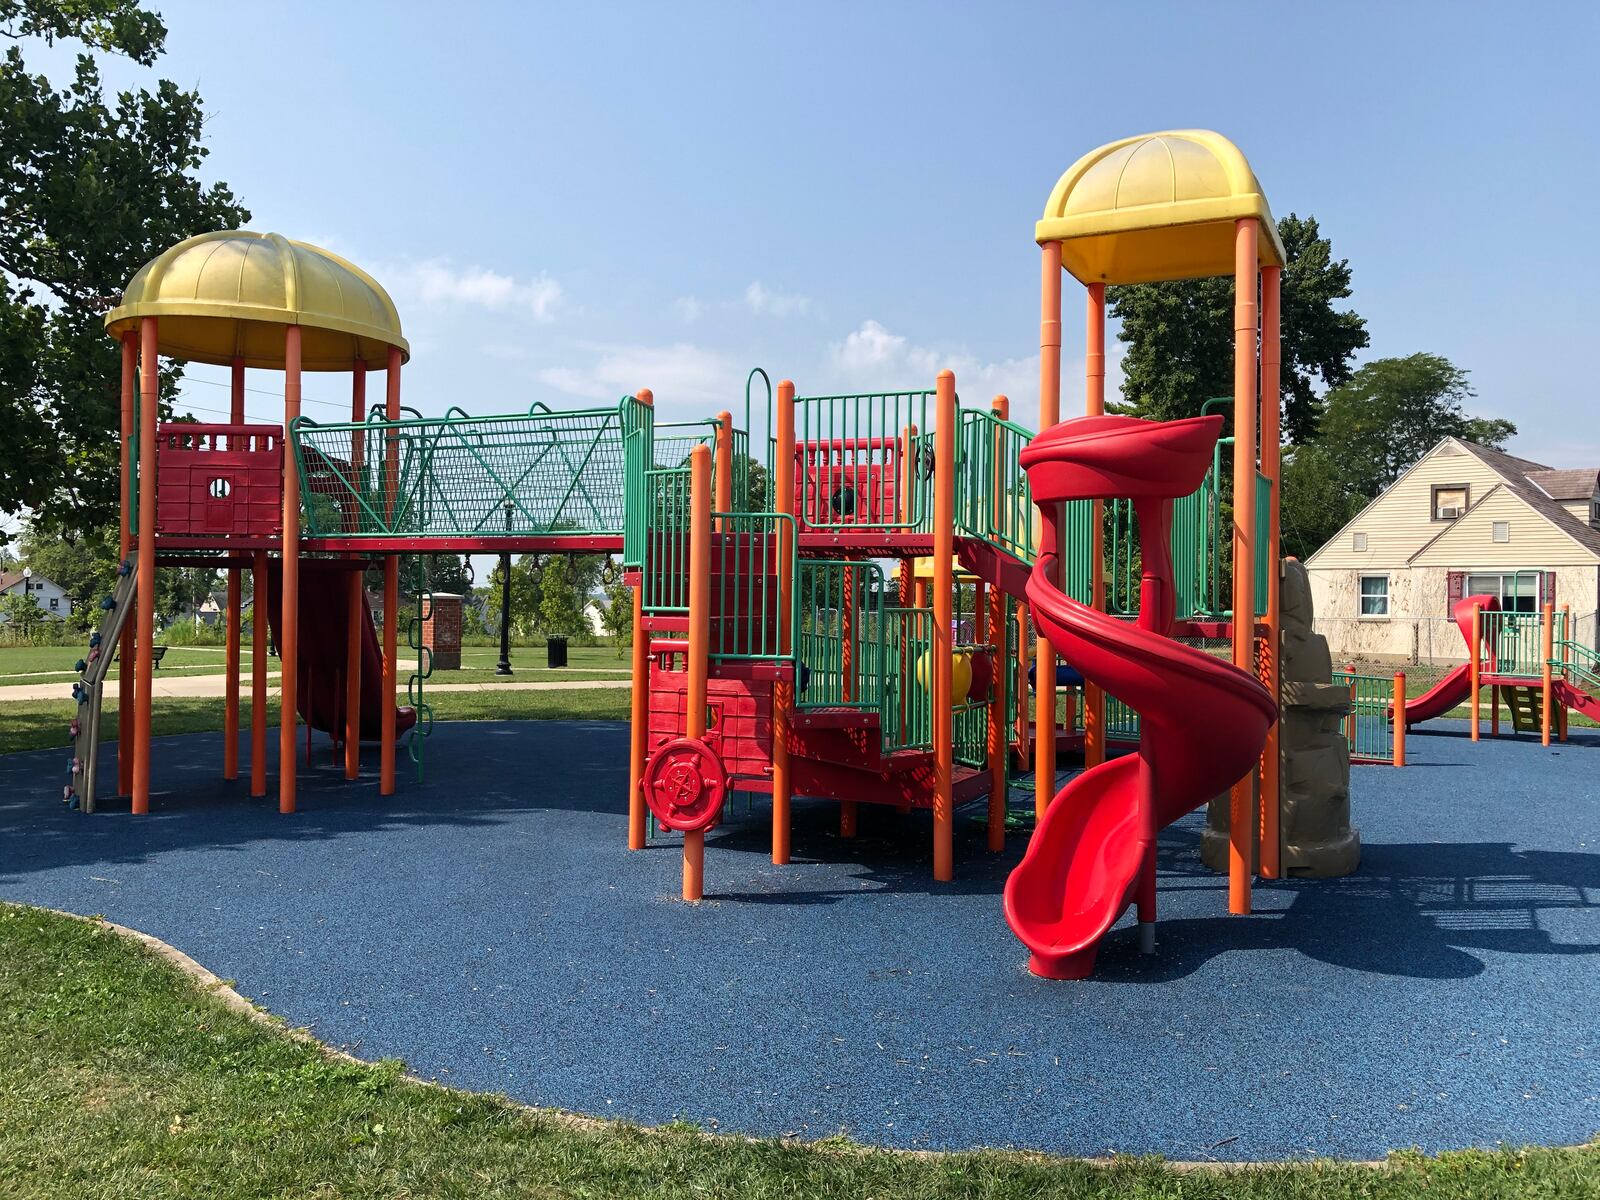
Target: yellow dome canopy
column 230, row 294
column 1154, row 207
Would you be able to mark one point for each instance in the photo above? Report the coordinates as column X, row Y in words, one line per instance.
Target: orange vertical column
column 354, row 617
column 639, row 708
column 391, row 580
column 1475, row 667
column 145, row 582
column 699, row 656
column 847, row 663
column 258, row 673
column 944, row 520
column 1398, row 708
column 1271, row 446
column 1094, row 405
column 1566, row 636
column 1044, row 680
column 1241, row 807
column 1547, row 681
column 996, row 743
column 781, row 484
column 230, row 703
column 289, row 616
column 130, row 374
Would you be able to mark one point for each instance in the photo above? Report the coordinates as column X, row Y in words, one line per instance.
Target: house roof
column 1521, row 474
column 1579, row 484
column 9, row 579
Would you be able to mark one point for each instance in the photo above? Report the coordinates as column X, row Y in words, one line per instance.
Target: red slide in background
column 1203, row 722
column 324, row 634
column 1454, row 687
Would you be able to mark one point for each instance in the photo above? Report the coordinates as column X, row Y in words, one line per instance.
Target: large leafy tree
column 1388, row 415
column 1180, row 335
column 91, row 187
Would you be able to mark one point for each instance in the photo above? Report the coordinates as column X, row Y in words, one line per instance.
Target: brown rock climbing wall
column 1318, row 840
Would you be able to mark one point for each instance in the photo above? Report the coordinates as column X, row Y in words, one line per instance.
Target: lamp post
column 503, row 667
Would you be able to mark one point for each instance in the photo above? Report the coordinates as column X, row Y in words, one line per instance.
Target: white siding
column 1535, row 541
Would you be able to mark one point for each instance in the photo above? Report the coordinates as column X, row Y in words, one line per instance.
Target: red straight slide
column 324, row 634
column 1203, row 722
column 1454, row 687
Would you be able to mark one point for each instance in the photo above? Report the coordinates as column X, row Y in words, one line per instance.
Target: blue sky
column 569, row 201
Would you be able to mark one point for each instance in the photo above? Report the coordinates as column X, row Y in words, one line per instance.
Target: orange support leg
column 145, row 583
column 1241, row 799
column 258, row 674
column 1271, row 467
column 699, row 655
column 782, row 484
column 130, row 372
column 1398, row 707
column 230, row 703
column 391, row 584
column 289, row 617
column 944, row 519
column 354, row 616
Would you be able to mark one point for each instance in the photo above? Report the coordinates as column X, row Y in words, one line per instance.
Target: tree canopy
column 1180, row 335
column 1390, row 413
column 91, row 188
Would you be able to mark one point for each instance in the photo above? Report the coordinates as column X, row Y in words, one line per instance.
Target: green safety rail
column 1369, row 727
column 840, row 628
column 541, row 473
column 1513, row 642
column 852, row 463
column 747, row 623
column 907, row 644
column 1580, row 664
column 993, row 501
column 665, row 539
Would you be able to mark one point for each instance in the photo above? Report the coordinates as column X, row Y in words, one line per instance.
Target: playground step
column 1527, row 708
column 835, row 718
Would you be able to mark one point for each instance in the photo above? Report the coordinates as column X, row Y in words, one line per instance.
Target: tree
column 1390, row 413
column 617, row 614
column 90, row 189
column 564, row 586
column 1180, row 335
column 20, row 615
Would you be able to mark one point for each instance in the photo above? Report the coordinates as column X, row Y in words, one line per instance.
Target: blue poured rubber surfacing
column 490, row 928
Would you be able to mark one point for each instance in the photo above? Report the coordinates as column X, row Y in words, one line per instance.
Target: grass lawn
column 120, row 1077
column 40, row 724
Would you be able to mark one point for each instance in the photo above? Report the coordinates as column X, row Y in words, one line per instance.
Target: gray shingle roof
column 1566, row 485
column 1518, row 473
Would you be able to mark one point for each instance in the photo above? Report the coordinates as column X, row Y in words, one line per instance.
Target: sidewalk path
column 213, row 685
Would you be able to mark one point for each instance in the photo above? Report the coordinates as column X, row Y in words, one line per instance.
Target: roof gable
column 1579, row 484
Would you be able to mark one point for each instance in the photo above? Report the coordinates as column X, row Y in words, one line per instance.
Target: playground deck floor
column 489, row 928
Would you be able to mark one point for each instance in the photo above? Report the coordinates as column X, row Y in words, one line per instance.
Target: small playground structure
column 845, row 597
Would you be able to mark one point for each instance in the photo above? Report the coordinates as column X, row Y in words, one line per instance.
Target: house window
column 1449, row 501
column 1374, row 595
column 1516, row 592
column 55, row 604
column 1358, row 541
column 1594, row 512
column 1502, row 531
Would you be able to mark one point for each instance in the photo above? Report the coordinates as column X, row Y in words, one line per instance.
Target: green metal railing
column 1369, row 727
column 665, row 571
column 747, row 622
column 851, row 460
column 1513, row 642
column 1580, row 664
column 907, row 650
column 540, row 472
column 993, row 501
column 839, row 641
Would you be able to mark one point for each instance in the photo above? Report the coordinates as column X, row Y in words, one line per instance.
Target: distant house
column 52, row 600
column 1462, row 520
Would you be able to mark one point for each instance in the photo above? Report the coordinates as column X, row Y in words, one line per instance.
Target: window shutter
column 1455, row 587
column 1548, row 591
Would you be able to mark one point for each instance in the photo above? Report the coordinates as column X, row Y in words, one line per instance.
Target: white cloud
column 689, row 309
column 440, row 283
column 760, row 299
column 872, row 356
column 687, row 380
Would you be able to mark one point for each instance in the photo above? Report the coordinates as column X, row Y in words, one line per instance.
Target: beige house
column 1462, row 520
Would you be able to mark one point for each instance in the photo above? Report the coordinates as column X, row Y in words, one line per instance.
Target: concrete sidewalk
column 214, row 685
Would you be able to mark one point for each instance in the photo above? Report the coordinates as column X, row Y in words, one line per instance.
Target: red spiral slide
column 1203, row 722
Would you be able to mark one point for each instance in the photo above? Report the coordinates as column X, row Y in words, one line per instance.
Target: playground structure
column 850, row 607
column 1528, row 660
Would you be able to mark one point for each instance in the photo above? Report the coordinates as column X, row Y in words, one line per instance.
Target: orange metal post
column 1547, row 694
column 944, row 520
column 781, row 485
column 1241, row 800
column 391, row 583
column 258, row 674
column 145, row 582
column 1271, row 457
column 1094, row 697
column 724, row 464
column 1398, row 707
column 699, row 656
column 1044, row 686
column 353, row 613
column 1474, row 669
column 1566, row 636
column 847, row 660
column 1024, row 655
column 639, row 709
column 289, row 617
column 997, row 746
column 130, row 371
column 230, row 703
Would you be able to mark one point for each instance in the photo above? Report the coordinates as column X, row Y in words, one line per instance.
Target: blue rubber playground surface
column 490, row 928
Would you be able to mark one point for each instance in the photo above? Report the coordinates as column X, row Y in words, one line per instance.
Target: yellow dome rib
column 229, row 294
column 1157, row 206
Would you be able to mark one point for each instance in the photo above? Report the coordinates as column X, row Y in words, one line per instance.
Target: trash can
column 555, row 652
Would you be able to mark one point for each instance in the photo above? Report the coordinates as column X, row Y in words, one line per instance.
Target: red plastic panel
column 219, row 479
